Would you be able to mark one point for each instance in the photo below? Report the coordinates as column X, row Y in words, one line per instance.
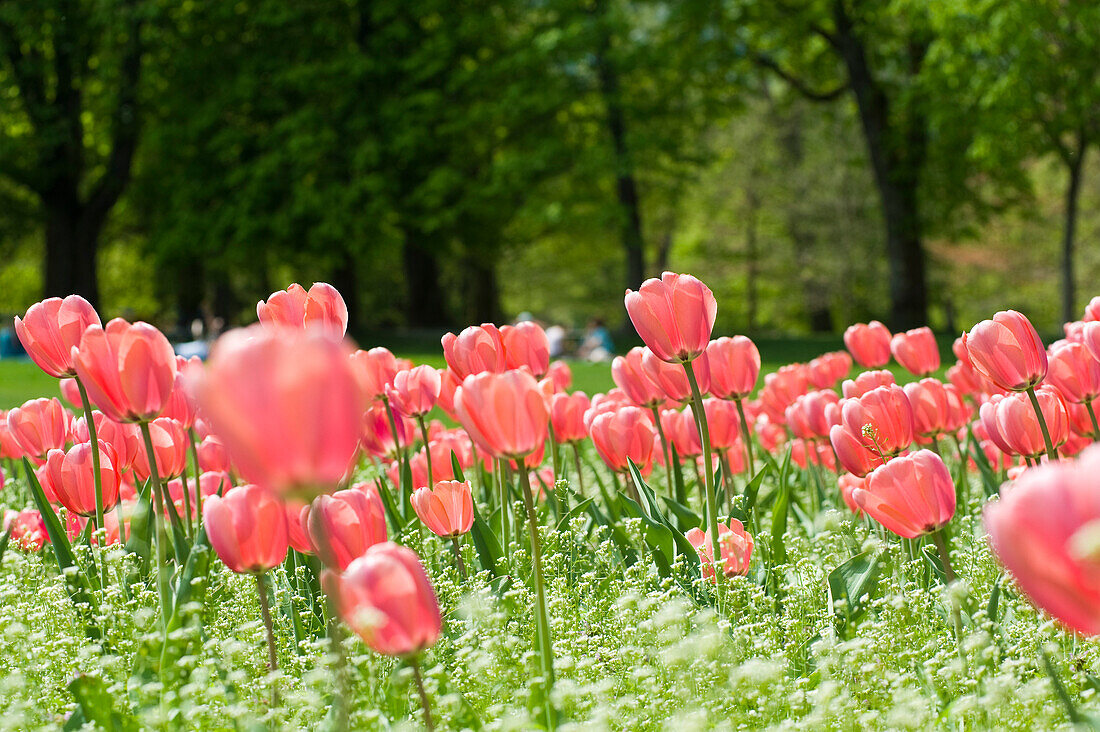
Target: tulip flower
column 622, row 436
column 40, row 425
column 674, row 316
column 475, row 350
column 51, row 329
column 916, row 350
column 169, row 450
column 857, row 387
column 722, row 419
column 851, row 452
column 414, row 392
column 736, row 543
column 181, row 404
column 1044, row 530
column 631, row 377
column 70, row 475
column 780, row 390
column 1092, row 310
column 560, row 374
column 910, row 495
column 869, row 344
column 504, row 413
column 809, row 417
column 297, row 526
column 447, row 509
column 734, row 367
column 1074, row 372
column 124, row 438
column 212, row 456
column 375, row 369
column 344, row 525
column 377, row 432
column 26, row 529
column 322, row 307
column 287, row 405
column 932, row 407
column 1007, row 351
column 449, row 384
column 848, row 483
column 1022, row 432
column 567, row 416
column 129, row 370
column 386, row 598
column 671, row 379
column 70, row 392
column 882, row 418
column 525, row 344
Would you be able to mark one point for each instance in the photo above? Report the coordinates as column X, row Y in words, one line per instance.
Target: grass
column 21, row 380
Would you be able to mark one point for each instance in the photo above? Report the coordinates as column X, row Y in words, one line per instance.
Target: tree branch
column 797, row 84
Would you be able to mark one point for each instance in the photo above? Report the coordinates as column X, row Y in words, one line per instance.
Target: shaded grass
column 21, row 380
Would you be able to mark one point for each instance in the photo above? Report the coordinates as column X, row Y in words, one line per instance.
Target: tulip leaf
column 994, row 599
column 574, row 512
column 140, row 540
column 618, row 536
column 932, row 560
column 851, row 585
column 456, row 467
column 4, row 543
column 685, row 517
column 95, row 704
column 990, row 483
column 489, row 553
column 752, row 488
column 677, row 476
column 657, row 536
column 396, row 520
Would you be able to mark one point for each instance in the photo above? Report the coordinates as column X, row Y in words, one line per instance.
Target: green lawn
column 21, row 380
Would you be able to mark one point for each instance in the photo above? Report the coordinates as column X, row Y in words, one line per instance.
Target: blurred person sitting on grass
column 597, row 345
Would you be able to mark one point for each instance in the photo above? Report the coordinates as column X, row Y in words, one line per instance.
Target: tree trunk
column 1069, row 234
column 752, row 259
column 71, row 248
column 483, row 302
column 896, row 143
column 346, row 280
column 424, row 305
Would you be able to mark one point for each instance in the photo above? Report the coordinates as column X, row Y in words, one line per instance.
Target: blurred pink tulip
column 386, row 598
column 848, row 484
column 1007, row 351
column 624, row 435
column 916, row 350
column 671, row 378
column 27, row 529
column 674, row 315
column 213, row 457
column 560, row 374
column 1073, row 370
column 377, row 436
column 724, row 423
column 40, row 425
column 287, row 405
column 736, row 545
column 475, row 350
column 322, row 307
column 51, row 329
column 525, row 344
column 344, row 525
column 734, row 367
column 128, row 370
column 375, row 369
column 181, row 404
column 70, row 392
column 247, row 527
column 415, row 391
column 567, row 416
column 863, row 383
column 869, row 344
column 631, row 377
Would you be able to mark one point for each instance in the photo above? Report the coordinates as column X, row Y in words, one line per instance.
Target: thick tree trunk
column 483, row 301
column 1069, row 234
column 346, row 280
column 752, row 259
column 71, row 246
column 424, row 305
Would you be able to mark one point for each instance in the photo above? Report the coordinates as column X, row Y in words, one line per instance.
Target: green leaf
column 390, row 506
column 489, row 553
column 685, row 517
column 991, row 485
column 853, row 582
column 95, row 704
column 456, row 467
column 993, row 606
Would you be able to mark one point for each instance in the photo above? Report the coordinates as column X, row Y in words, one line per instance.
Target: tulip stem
column 502, row 484
column 1059, row 688
column 577, row 463
column 555, row 458
column 158, row 520
column 746, row 436
column 546, row 648
column 1052, row 454
column 457, row 547
column 272, row 654
column 198, row 479
column 414, row 661
column 399, row 449
column 708, row 466
column 1092, row 416
column 97, row 478
column 189, row 527
column 941, row 544
column 664, row 448
column 427, row 449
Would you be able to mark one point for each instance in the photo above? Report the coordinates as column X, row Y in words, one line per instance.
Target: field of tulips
column 297, row 534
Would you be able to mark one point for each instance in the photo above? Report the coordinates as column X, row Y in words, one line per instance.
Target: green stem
column 664, row 448
column 555, row 458
column 1052, row 454
column 546, row 648
column 97, row 478
column 1092, row 416
column 1059, row 689
column 708, row 476
column 427, row 449
column 456, row 545
column 414, row 661
column 158, row 520
column 187, row 504
column 577, row 462
column 746, row 436
column 502, row 486
column 198, row 479
column 269, row 627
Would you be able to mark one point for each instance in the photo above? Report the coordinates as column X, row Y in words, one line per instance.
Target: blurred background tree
column 444, row 163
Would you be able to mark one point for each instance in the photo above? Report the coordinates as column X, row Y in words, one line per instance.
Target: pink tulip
column 525, row 344
column 965, row 379
column 322, row 307
column 128, row 370
column 447, row 510
column 70, row 392
column 736, row 545
column 623, row 435
column 377, row 436
column 297, row 526
column 1080, row 423
column 287, row 405
column 475, row 350
column 1019, row 427
column 505, row 414
column 780, row 390
column 71, row 476
column 848, row 484
column 1007, row 351
column 674, row 316
column 853, row 456
column 857, row 387
column 1092, row 310
column 415, row 391
column 10, row 448
column 375, row 369
column 916, row 350
column 51, row 329
column 671, row 378
column 40, row 425
column 610, row 402
column 882, row 418
column 27, row 529
column 561, row 375
column 386, row 598
column 631, row 377
column 567, row 416
column 734, row 367
column 910, row 495
column 932, row 407
column 869, row 344
column 212, row 455
column 247, row 527
column 449, row 384
column 170, row 445
column 809, row 417
column 682, row 432
column 1074, row 368
column 1044, row 531
column 344, row 525
column 724, row 423
column 124, row 438
column 987, row 420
